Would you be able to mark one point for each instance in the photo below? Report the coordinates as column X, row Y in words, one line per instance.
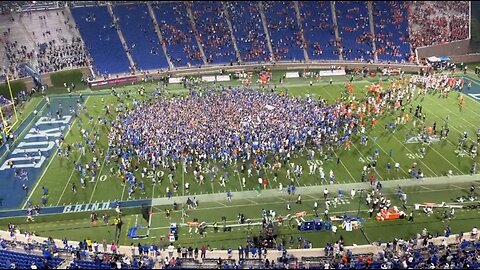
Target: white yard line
column 183, row 178
column 452, row 126
column 427, row 188
column 250, row 200
column 364, row 158
column 41, row 177
column 457, row 187
column 79, row 157
column 98, row 176
column 265, row 171
column 446, row 108
column 240, row 180
column 26, row 129
column 51, row 160
column 123, row 191
column 348, row 171
column 151, row 210
column 412, row 153
column 341, row 162
column 446, row 160
column 388, row 154
column 68, row 182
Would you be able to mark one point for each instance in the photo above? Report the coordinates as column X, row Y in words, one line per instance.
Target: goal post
column 4, row 114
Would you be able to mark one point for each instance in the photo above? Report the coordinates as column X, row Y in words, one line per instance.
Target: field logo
column 475, row 96
column 77, row 208
column 419, row 139
column 43, row 136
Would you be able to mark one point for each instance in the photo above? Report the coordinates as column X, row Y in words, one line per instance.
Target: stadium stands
column 55, row 57
column 354, row 28
column 248, row 31
column 434, row 23
column 391, row 30
column 318, row 29
column 178, row 34
column 284, row 33
column 142, row 40
column 213, row 31
column 114, row 261
column 98, row 31
column 399, row 28
column 426, row 250
column 25, row 261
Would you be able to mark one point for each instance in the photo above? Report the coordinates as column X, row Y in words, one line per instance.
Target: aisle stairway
column 192, row 22
column 265, row 28
column 159, row 33
column 120, row 35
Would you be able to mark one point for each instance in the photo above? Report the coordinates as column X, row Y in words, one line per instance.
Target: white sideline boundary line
column 98, row 176
column 79, row 157
column 51, row 160
column 341, row 162
column 430, row 169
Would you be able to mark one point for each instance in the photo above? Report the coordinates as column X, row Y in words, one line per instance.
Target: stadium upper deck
column 193, row 34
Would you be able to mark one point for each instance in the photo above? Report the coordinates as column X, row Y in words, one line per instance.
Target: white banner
column 175, row 80
column 223, row 78
column 292, row 75
column 335, row 72
column 208, row 78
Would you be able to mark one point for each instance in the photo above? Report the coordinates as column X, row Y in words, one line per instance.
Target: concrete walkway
column 269, row 193
column 271, row 254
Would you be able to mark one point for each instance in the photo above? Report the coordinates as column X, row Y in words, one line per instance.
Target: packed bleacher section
column 213, row 31
column 428, row 250
column 399, row 27
column 142, row 40
column 391, row 30
column 112, row 261
column 282, row 25
column 178, row 35
column 354, row 28
column 318, row 30
column 99, row 33
column 54, row 57
column 248, row 31
column 16, row 54
column 433, row 22
column 15, row 260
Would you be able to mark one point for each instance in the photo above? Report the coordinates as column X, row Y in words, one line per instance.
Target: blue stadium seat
column 139, row 33
column 284, row 32
column 248, row 31
column 318, row 29
column 214, row 33
column 177, row 32
column 101, row 39
column 354, row 29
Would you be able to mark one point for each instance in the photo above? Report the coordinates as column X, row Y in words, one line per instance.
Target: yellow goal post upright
column 8, row 127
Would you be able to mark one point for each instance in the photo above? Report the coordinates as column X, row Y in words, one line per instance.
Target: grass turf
column 439, row 158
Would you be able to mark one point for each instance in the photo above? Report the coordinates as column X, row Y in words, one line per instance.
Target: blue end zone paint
column 76, row 208
column 26, row 150
column 474, row 91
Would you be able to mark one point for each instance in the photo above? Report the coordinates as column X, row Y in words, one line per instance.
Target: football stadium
column 239, row 135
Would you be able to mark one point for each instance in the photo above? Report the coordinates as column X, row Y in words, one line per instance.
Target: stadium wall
column 57, row 78
column 115, row 80
column 51, row 78
column 455, row 48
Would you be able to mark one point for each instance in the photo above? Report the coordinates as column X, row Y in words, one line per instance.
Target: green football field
column 439, row 158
